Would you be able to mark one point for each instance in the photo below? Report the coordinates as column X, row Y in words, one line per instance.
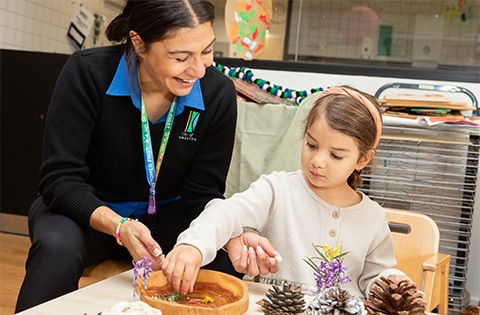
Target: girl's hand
column 138, row 239
column 253, row 254
column 181, row 267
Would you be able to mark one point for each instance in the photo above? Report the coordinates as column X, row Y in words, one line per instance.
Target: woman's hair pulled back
column 350, row 117
column 155, row 20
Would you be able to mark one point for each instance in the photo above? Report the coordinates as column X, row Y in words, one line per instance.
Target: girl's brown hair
column 350, row 117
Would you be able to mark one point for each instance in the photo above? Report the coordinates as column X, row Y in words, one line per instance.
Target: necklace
column 246, row 74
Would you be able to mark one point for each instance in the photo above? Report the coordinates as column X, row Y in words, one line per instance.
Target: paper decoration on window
column 99, row 21
column 247, row 22
column 80, row 27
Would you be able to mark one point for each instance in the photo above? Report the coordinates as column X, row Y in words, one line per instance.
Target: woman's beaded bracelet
column 117, row 231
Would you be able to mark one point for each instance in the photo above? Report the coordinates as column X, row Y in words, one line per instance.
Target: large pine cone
column 335, row 301
column 388, row 296
column 285, row 300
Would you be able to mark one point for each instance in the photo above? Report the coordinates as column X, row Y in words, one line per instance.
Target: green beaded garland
column 277, row 90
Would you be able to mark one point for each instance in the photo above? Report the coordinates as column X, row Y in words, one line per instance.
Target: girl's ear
column 365, row 159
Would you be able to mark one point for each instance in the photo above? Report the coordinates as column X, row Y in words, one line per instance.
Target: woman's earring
column 136, row 46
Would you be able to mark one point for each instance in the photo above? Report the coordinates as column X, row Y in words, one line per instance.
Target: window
column 437, row 36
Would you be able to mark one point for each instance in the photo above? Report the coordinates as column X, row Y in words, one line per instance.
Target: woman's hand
column 253, row 254
column 181, row 267
column 138, row 239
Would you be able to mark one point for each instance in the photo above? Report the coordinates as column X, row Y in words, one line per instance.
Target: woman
column 138, row 139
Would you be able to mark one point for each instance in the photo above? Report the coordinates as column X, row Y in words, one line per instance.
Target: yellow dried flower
column 332, row 252
column 325, row 253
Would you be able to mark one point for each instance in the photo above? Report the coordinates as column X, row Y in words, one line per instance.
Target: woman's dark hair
column 154, row 20
column 350, row 117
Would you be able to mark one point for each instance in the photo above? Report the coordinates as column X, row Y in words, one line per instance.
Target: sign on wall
column 80, row 27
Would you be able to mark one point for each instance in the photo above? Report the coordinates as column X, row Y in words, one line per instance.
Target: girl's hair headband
column 362, row 99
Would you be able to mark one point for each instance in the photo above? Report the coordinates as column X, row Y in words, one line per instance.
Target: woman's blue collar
column 125, row 83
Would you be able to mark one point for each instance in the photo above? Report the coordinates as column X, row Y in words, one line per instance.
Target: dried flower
column 173, row 297
column 141, row 270
column 330, row 272
column 329, row 255
column 330, row 275
column 333, row 252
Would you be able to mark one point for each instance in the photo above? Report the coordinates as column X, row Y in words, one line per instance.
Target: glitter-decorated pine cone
column 335, row 301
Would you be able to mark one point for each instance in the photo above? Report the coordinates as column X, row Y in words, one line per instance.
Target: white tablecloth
column 100, row 296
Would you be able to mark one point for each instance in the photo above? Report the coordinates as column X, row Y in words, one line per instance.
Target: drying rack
column 431, row 170
column 430, row 87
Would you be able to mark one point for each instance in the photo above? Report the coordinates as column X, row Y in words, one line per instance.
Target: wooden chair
column 103, row 270
column 416, row 239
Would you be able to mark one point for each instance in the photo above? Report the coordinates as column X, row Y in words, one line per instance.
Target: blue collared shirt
column 125, row 83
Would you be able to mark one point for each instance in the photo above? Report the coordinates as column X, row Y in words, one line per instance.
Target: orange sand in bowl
column 229, row 295
column 219, row 295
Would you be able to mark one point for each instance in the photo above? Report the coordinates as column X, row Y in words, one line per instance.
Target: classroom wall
column 42, row 25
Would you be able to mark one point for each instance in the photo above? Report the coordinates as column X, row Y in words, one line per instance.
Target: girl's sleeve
column 380, row 262
column 224, row 219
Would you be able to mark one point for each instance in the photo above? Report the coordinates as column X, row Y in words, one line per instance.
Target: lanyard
column 152, row 170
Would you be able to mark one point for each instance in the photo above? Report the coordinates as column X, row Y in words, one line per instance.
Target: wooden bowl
column 229, row 294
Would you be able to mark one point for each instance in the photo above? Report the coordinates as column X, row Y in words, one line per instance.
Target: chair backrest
column 416, row 238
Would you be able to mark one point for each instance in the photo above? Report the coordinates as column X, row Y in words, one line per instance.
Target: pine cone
column 335, row 300
column 285, row 300
column 388, row 296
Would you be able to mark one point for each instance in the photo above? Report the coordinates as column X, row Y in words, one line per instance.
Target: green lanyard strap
column 151, row 169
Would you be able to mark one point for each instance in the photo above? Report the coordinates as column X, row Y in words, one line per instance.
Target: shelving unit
column 432, row 170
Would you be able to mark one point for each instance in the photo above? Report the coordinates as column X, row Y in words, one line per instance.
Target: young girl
column 318, row 204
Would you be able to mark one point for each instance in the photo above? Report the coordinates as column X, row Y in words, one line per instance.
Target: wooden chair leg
column 444, row 274
column 427, row 287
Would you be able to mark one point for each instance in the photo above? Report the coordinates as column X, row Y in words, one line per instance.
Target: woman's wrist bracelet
column 117, row 231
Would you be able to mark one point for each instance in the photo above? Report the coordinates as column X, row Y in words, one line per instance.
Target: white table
column 102, row 295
